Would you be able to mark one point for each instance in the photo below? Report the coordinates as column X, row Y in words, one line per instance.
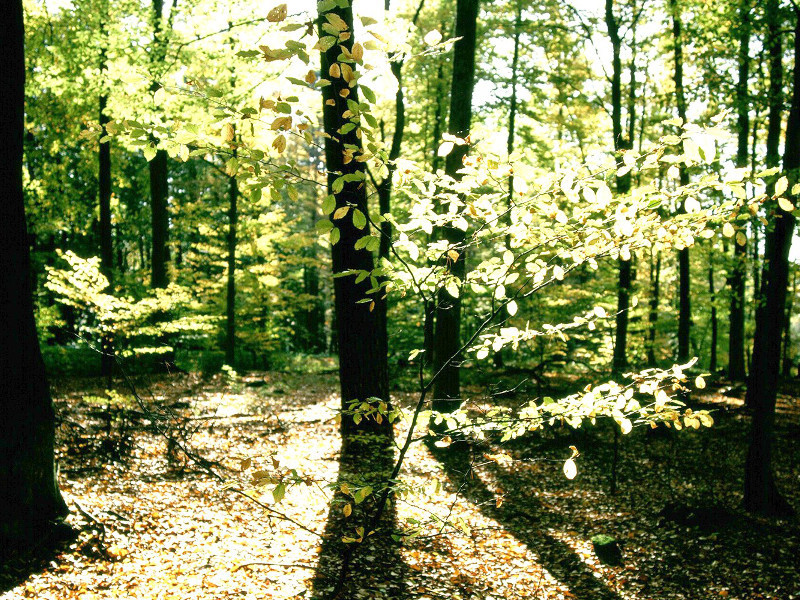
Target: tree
column 30, row 499
column 761, row 494
column 363, row 367
column 684, row 266
column 736, row 362
column 447, row 338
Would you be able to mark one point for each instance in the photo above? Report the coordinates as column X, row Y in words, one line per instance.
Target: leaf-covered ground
column 156, row 525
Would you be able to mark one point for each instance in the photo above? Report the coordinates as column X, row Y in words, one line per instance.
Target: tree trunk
column 446, row 359
column 363, row 369
column 761, row 493
column 621, row 144
column 230, row 296
column 159, row 188
column 655, row 284
column 106, row 245
column 786, row 368
column 30, row 499
column 684, row 292
column 736, row 354
column 712, row 364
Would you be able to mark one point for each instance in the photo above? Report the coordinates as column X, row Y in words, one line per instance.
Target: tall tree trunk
column 786, row 368
column 712, row 364
column 447, row 389
column 761, row 493
column 621, row 144
column 159, row 187
column 736, row 354
column 655, row 285
column 29, row 495
column 230, row 296
column 362, row 344
column 106, row 245
column 684, row 297
column 775, row 100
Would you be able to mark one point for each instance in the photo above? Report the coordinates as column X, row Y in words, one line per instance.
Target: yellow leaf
column 432, row 38
column 277, row 14
column 311, row 77
column 336, row 21
column 358, row 52
column 741, row 238
column 347, row 510
column 334, row 70
column 785, row 204
column 228, row 132
column 348, row 74
column 781, row 185
column 279, row 144
column 341, row 212
column 728, row 230
column 699, row 383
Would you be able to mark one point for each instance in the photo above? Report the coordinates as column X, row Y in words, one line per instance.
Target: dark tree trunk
column 230, row 297
column 159, row 188
column 736, row 354
column 106, row 244
column 761, row 493
column 712, row 364
column 29, row 495
column 655, row 284
column 363, row 372
column 684, row 292
column 620, row 361
column 446, row 358
column 786, row 368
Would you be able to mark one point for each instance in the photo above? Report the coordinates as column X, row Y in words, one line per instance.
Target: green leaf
column 359, row 220
column 149, row 153
column 279, row 492
column 328, row 204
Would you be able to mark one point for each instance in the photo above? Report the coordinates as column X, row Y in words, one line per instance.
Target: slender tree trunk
column 761, row 493
column 684, row 292
column 106, row 245
column 655, row 284
column 712, row 365
column 621, row 144
column 159, row 187
column 29, row 495
column 230, row 297
column 447, row 389
column 362, row 344
column 736, row 354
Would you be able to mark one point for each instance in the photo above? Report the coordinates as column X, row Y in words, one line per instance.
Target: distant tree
column 30, row 499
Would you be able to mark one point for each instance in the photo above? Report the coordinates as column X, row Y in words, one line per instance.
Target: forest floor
column 155, row 525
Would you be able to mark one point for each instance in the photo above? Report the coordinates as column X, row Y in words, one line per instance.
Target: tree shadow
column 374, row 567
column 525, row 518
column 17, row 565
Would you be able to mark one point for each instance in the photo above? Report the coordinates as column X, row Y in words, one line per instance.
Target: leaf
column 159, row 96
column 512, row 308
column 570, row 469
column 279, row 143
column 625, row 426
column 347, row 510
column 341, row 212
column 432, row 38
column 781, row 186
column 277, row 14
column 728, row 230
column 785, row 204
column 279, row 492
column 328, row 204
column 359, row 220
column 700, row 383
column 149, row 153
column 445, row 149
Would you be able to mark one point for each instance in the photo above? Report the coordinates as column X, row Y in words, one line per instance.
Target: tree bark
column 736, row 354
column 362, row 344
column 684, row 292
column 230, row 296
column 655, row 284
column 712, row 364
column 29, row 495
column 761, row 494
column 159, row 187
column 623, row 184
column 447, row 388
column 106, row 244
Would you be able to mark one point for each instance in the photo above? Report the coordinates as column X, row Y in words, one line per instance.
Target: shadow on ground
column 521, row 517
column 374, row 567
